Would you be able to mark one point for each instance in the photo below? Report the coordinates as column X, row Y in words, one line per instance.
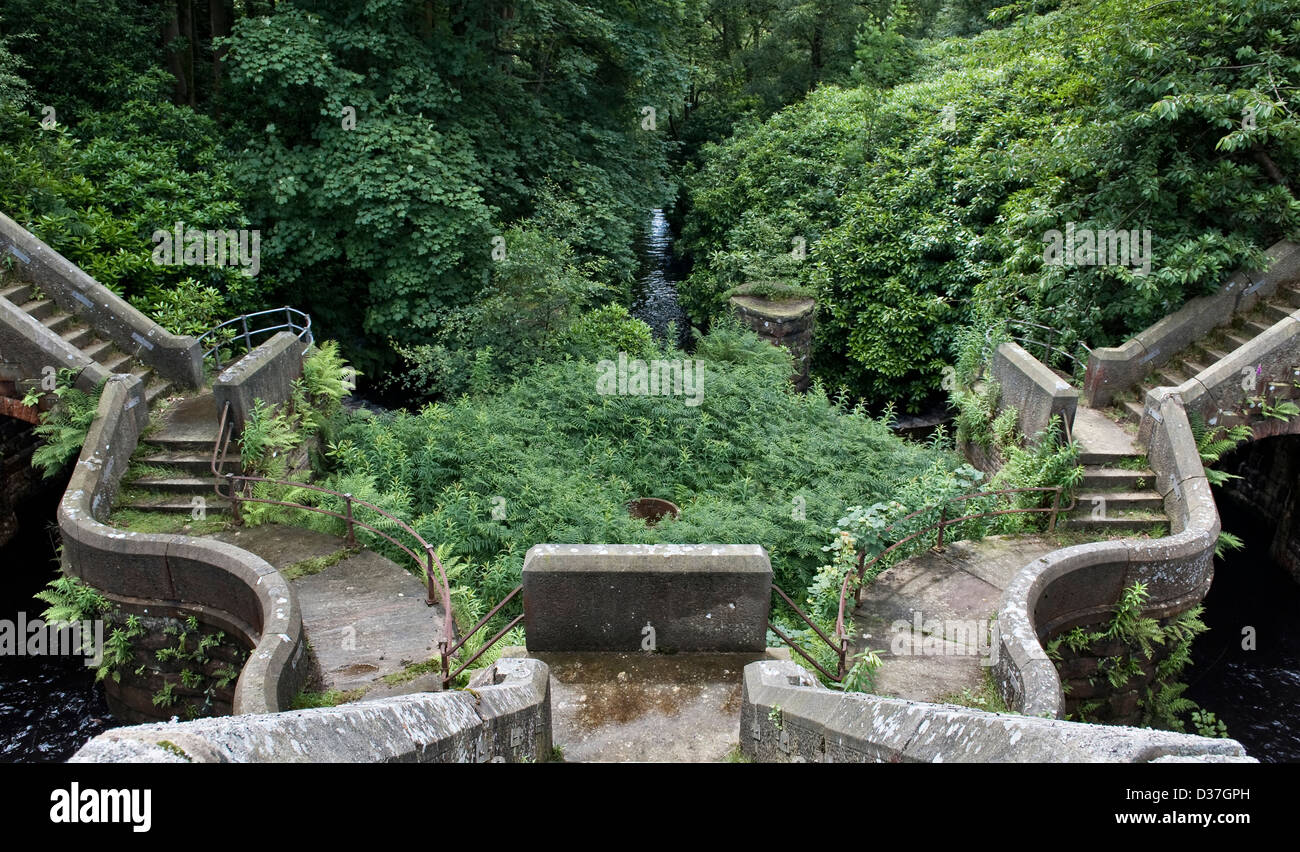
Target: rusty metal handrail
column 299, row 322
column 448, row 645
column 840, row 644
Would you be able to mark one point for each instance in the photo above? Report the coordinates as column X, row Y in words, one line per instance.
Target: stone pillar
column 787, row 323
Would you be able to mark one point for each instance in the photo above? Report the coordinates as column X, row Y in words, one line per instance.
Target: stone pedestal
column 787, row 323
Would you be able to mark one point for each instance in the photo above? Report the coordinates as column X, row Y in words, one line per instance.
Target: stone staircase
column 75, row 332
column 1213, row 347
column 177, row 460
column 178, row 455
column 1117, row 495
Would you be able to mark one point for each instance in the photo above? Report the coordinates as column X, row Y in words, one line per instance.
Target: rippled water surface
column 49, row 706
column 1256, row 693
column 655, row 300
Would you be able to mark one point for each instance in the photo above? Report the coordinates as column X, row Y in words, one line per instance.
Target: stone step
column 189, row 461
column 1125, row 522
column 115, row 361
column 187, row 445
column 1172, row 375
column 1235, row 338
column 98, row 349
column 1254, row 327
column 1274, row 311
column 1118, row 501
column 160, row 387
column 192, row 485
column 59, row 322
column 40, row 308
column 18, row 293
column 1101, row 479
column 1102, row 458
column 1288, row 295
column 79, row 336
column 175, row 504
column 1133, row 410
column 1214, row 351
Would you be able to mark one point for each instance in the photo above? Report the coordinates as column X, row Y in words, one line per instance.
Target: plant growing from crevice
column 1162, row 703
column 63, row 428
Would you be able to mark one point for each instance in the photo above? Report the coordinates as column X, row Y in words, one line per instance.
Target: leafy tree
column 1114, row 115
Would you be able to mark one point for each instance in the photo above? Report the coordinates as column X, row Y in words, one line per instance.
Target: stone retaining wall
column 601, row 597
column 1033, row 390
column 786, row 716
column 505, row 719
column 266, row 373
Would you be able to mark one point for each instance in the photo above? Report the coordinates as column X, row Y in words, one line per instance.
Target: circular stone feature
column 651, row 510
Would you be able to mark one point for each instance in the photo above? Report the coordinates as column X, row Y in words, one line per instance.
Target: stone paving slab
column 1100, row 437
column 194, row 418
column 364, row 617
column 956, row 592
column 616, row 707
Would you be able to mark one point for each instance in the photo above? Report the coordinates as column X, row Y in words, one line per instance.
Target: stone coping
column 505, row 717
column 787, row 716
column 175, row 357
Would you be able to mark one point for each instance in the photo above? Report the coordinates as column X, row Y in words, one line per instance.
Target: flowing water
column 1256, row 693
column 655, row 298
column 49, row 706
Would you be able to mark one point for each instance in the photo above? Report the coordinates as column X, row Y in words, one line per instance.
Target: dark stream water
column 49, row 706
column 655, row 299
column 1256, row 693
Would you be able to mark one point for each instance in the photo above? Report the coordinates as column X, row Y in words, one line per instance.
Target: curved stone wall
column 226, row 584
column 1080, row 585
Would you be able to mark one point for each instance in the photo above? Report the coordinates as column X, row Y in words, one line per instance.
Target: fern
column 64, row 427
column 70, row 600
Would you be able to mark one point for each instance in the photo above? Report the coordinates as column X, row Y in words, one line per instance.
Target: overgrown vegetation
column 921, row 201
column 1162, row 702
column 64, row 426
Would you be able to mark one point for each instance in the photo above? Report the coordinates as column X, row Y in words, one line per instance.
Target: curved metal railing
column 239, row 490
column 299, row 322
column 840, row 643
column 1052, row 351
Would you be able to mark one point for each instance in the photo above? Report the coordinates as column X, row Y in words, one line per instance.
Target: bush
column 754, row 462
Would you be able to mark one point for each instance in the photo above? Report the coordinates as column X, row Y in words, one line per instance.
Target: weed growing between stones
column 1126, row 650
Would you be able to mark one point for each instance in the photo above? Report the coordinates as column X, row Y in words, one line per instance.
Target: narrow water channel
column 655, row 297
column 1256, row 693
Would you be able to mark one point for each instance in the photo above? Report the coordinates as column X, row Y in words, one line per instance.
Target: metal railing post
column 352, row 538
column 1056, row 505
column 248, row 341
column 943, row 519
column 234, row 500
column 431, row 598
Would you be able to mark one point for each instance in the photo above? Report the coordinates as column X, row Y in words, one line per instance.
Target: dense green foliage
column 753, row 462
column 533, row 116
column 919, row 200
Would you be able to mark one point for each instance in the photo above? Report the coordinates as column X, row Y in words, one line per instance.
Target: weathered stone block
column 602, row 597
